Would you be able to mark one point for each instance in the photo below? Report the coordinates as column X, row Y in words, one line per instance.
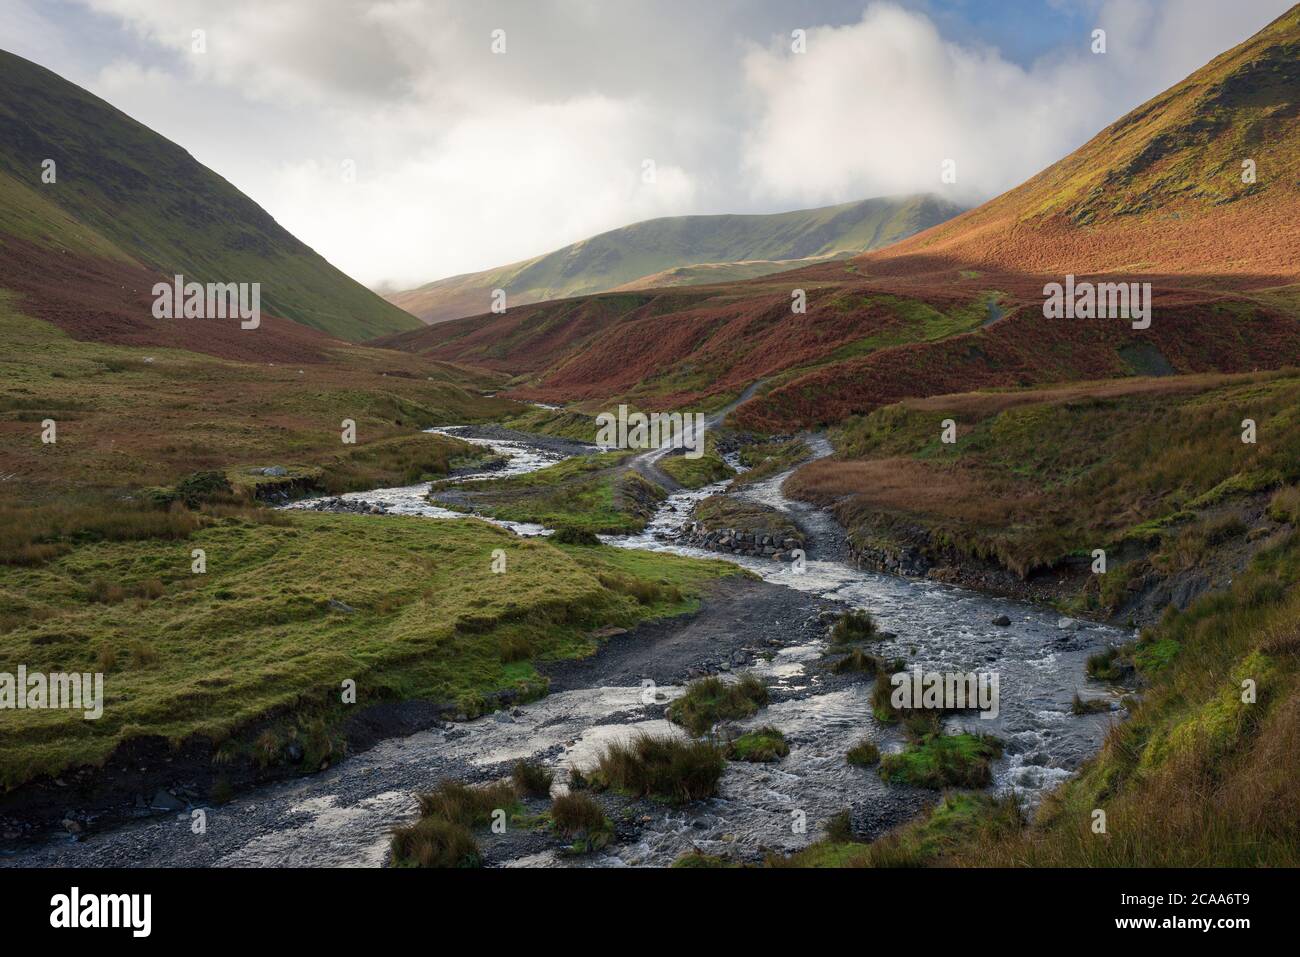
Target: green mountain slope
column 125, row 193
column 699, row 247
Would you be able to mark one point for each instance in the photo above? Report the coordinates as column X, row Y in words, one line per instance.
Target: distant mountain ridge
column 683, row 250
column 1159, row 196
column 126, row 198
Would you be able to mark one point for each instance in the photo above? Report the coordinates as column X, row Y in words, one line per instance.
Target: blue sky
column 387, row 135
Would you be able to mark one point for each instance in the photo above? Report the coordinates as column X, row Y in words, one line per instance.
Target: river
column 342, row 816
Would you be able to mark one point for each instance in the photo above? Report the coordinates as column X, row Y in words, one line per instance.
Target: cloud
column 877, row 107
column 466, row 160
column 516, row 180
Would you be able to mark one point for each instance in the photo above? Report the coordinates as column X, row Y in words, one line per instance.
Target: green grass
column 591, row 493
column 957, row 820
column 760, row 745
column 852, row 627
column 126, row 191
column 710, row 700
column 696, row 473
column 1035, row 478
column 770, row 458
column 719, row 512
column 125, row 424
column 698, row 859
column 212, row 654
column 943, row 761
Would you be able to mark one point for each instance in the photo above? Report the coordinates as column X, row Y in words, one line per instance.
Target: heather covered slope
column 683, row 250
column 125, row 198
column 1157, row 197
column 1160, row 191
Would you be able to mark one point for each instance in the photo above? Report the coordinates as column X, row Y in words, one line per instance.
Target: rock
column 275, row 470
column 166, row 801
column 293, row 752
column 1002, row 621
column 71, row 826
column 1067, row 624
column 336, row 605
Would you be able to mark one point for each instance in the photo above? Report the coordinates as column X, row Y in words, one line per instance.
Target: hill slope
column 1157, row 197
column 1159, row 191
column 690, row 249
column 127, row 199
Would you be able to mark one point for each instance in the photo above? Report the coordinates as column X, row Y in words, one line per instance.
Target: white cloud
column 467, row 160
column 876, row 107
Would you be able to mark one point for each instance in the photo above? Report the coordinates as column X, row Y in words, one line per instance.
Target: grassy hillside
column 1159, row 191
column 255, row 642
column 1151, row 470
column 130, row 417
column 683, row 250
column 126, row 194
column 1157, row 197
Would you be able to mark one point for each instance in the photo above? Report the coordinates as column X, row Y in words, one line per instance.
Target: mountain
column 128, row 207
column 1156, row 197
column 1161, row 190
column 682, row 250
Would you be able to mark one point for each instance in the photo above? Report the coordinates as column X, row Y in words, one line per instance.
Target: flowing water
column 343, row 815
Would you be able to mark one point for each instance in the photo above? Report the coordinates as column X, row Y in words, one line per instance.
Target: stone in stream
column 1002, row 621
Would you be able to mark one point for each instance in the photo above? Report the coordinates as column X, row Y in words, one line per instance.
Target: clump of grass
column 710, row 700
column 840, row 827
column 470, row 806
column 532, row 779
column 1285, row 505
column 858, row 661
column 434, row 842
column 201, row 487
column 571, row 535
column 864, row 754
column 579, row 817
column 764, row 744
column 1108, row 665
column 1089, row 705
column 668, row 768
column 852, row 627
column 645, row 592
column 443, row 836
column 698, row 859
column 943, row 761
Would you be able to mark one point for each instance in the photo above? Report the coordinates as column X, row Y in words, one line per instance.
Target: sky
column 409, row 140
